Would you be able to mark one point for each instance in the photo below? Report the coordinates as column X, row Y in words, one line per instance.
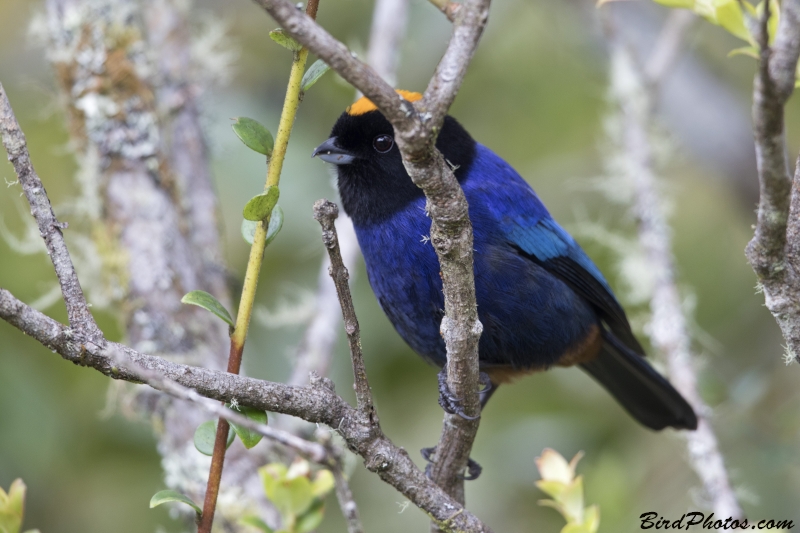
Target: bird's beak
column 330, row 153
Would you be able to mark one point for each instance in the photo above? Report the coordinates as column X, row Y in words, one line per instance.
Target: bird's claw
column 451, row 403
column 473, row 468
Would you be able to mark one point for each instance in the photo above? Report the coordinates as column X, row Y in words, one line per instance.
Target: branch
column 325, row 213
column 316, row 403
column 80, row 318
column 773, row 251
column 310, row 450
column 634, row 92
column 451, row 230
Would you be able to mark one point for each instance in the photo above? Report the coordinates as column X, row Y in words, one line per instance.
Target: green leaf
column 750, row 51
column 297, row 497
column 313, row 74
column 255, row 522
column 323, row 483
column 249, row 438
column 165, row 496
column 249, row 230
column 209, row 303
column 686, row 4
column 729, row 15
column 12, row 507
column 291, row 496
column 283, row 39
column 204, row 437
column 275, row 225
column 259, row 207
column 311, row 519
column 254, row 135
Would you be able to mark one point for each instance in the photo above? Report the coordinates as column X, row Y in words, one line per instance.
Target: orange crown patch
column 365, row 105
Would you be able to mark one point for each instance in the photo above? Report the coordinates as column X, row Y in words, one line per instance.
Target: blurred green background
column 536, row 95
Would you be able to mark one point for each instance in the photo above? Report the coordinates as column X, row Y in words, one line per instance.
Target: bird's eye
column 383, row 143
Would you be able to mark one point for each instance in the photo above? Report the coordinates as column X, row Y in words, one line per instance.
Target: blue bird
column 541, row 300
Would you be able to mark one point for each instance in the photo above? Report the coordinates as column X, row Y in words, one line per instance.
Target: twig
column 347, row 502
column 668, row 331
column 80, row 317
column 343, row 493
column 325, row 213
column 451, row 231
column 450, row 9
column 773, row 251
column 316, row 403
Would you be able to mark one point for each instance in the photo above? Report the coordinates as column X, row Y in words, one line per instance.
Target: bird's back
column 530, row 317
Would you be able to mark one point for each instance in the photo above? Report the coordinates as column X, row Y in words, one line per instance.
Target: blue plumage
column 506, row 213
column 541, row 300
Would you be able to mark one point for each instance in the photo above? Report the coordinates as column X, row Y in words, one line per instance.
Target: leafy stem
column 239, row 335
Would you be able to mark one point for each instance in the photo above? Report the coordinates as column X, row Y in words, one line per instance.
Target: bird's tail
column 642, row 391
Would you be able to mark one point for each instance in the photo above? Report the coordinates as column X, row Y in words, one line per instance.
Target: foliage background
column 536, row 95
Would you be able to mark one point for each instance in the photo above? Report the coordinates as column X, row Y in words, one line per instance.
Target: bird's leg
column 473, row 468
column 452, row 404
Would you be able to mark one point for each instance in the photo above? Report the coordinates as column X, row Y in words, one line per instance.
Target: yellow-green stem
column 290, row 105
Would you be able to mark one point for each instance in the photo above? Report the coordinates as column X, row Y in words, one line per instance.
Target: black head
column 373, row 182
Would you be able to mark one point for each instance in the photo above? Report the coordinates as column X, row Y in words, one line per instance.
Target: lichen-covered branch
column 773, row 250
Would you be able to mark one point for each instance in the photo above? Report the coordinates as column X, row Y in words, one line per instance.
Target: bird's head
column 373, row 182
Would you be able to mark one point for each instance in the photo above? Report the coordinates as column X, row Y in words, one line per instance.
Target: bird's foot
column 473, row 469
column 452, row 404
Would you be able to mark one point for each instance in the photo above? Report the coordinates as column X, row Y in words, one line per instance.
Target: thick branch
column 316, row 403
column 773, row 251
column 770, row 94
column 80, row 318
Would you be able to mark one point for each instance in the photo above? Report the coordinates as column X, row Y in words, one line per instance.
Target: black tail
column 642, row 391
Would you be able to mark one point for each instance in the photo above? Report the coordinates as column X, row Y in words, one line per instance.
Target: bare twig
column 316, row 349
column 773, row 251
column 451, row 232
column 80, row 317
column 343, row 493
column 316, row 403
column 325, row 213
column 633, row 92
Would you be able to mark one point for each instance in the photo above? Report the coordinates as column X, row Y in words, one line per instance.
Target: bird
column 540, row 298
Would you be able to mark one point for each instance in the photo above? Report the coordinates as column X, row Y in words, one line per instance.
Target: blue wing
column 529, row 228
